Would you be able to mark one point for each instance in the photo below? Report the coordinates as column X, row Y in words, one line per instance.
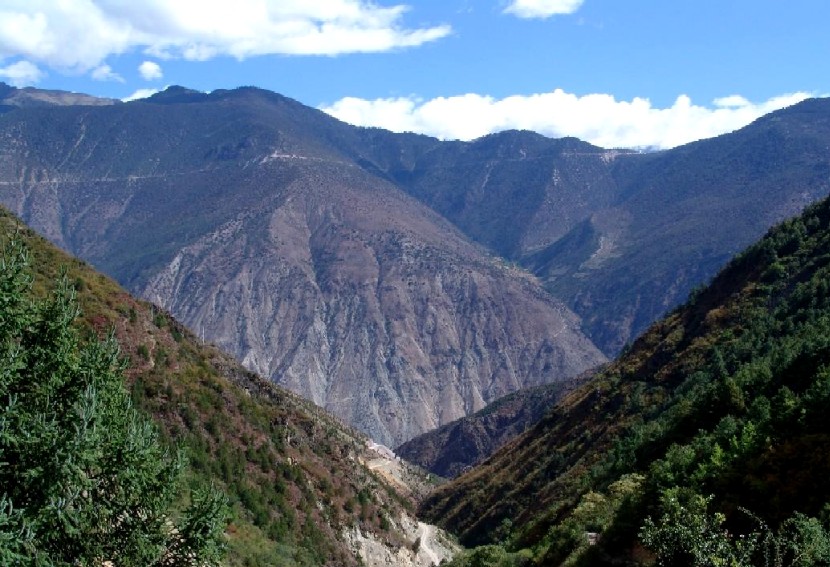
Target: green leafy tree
column 688, row 534
column 84, row 478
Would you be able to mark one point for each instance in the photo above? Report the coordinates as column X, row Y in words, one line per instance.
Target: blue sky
column 613, row 72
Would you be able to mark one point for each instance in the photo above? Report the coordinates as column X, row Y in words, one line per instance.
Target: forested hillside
column 706, row 441
column 293, row 475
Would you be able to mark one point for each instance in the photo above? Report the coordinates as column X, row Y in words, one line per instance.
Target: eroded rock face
column 251, row 218
column 426, row 546
column 355, row 296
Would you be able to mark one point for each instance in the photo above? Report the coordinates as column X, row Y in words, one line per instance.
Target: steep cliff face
column 246, row 215
column 352, row 295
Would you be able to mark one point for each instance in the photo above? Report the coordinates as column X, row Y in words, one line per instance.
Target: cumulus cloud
column 42, row 30
column 542, row 8
column 150, row 71
column 105, row 73
column 21, row 73
column 596, row 118
column 140, row 93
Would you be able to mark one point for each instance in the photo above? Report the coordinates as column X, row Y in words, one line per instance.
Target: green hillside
column 717, row 409
column 292, row 474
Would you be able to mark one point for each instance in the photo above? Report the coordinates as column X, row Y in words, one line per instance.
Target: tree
column 689, row 535
column 84, row 478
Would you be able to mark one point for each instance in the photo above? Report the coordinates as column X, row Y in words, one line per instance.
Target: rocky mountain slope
column 717, row 409
column 457, row 446
column 622, row 237
column 337, row 260
column 250, row 217
column 301, row 483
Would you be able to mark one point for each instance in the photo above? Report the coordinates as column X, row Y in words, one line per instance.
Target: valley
column 360, row 265
column 569, row 339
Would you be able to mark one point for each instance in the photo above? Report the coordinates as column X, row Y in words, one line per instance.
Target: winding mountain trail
column 426, row 533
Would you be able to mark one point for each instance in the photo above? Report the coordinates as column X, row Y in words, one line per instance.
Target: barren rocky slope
column 242, row 214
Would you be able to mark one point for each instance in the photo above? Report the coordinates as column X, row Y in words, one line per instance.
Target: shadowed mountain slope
column 457, row 446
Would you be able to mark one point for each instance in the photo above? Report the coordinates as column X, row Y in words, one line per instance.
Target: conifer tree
column 84, row 478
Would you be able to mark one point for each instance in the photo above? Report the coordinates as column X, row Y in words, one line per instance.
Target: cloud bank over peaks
column 139, row 94
column 596, row 118
column 39, row 31
column 541, row 8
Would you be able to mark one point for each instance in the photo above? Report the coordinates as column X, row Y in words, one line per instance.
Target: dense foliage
column 84, row 477
column 721, row 403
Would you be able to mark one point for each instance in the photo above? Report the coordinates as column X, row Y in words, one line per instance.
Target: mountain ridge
column 13, row 97
column 366, row 293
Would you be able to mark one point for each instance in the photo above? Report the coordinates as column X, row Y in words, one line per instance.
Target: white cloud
column 60, row 34
column 542, row 8
column 596, row 118
column 150, row 70
column 21, row 73
column 731, row 101
column 140, row 93
column 105, row 73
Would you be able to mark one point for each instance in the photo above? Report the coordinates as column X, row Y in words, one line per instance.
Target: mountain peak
column 176, row 94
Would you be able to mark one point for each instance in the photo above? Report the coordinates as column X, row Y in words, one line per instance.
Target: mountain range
column 397, row 280
column 403, row 282
column 242, row 214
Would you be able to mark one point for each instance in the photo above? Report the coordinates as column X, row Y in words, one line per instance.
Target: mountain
column 620, row 236
column 259, row 224
column 13, row 97
column 719, row 408
column 357, row 267
column 304, row 487
column 457, row 446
